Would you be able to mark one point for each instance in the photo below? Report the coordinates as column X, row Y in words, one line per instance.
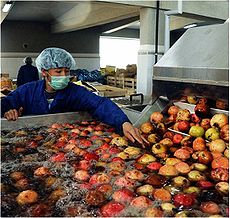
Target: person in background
column 27, row 73
column 56, row 94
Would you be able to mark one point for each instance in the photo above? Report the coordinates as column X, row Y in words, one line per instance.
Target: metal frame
column 44, row 120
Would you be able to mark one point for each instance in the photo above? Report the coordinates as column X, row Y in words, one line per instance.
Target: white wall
column 11, row 62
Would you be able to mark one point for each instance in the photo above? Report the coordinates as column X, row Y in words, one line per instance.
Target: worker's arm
column 11, row 105
column 107, row 111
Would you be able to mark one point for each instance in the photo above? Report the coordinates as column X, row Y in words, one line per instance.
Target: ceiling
column 65, row 16
column 39, row 11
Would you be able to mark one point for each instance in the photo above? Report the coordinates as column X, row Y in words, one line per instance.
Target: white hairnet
column 54, row 58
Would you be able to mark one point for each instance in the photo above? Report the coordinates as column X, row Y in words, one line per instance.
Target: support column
column 146, row 56
column 146, row 53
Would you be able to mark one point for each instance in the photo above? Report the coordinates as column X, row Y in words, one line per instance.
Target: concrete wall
column 83, row 45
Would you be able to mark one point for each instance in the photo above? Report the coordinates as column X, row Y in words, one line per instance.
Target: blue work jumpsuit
column 27, row 73
column 31, row 97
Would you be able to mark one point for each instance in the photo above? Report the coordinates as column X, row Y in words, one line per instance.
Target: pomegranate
column 123, row 195
column 195, row 118
column 221, row 104
column 99, row 178
column 175, row 126
column 186, row 141
column 59, row 157
column 191, row 99
column 141, row 202
column 153, row 138
column 95, row 198
column 224, row 133
column 125, row 182
column 183, row 126
column 147, row 127
column 168, row 170
column 112, row 209
column 91, row 156
column 196, row 131
column 173, row 110
column 169, row 135
column 154, row 166
column 183, row 115
column 166, row 141
column 205, row 184
column 162, row 195
column 220, row 162
column 171, row 119
column 156, row 117
column 177, row 139
column 82, row 175
column 134, row 175
column 202, row 109
column 204, row 157
column 185, row 200
column 220, row 174
column 27, row 197
column 205, row 123
column 210, row 207
column 219, row 120
column 212, row 134
column 106, row 189
column 199, row 144
column 203, row 101
column 182, row 154
column 161, row 128
column 217, row 145
column 226, row 153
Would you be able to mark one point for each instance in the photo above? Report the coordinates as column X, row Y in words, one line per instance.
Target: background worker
column 27, row 73
column 56, row 94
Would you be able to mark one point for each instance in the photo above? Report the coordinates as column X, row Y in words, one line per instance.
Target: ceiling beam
column 3, row 14
column 89, row 14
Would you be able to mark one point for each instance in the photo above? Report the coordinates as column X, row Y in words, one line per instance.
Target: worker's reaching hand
column 13, row 114
column 133, row 134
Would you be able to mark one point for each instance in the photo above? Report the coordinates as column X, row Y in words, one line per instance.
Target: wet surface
column 46, row 159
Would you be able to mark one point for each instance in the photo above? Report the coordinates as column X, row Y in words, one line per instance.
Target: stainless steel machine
column 196, row 65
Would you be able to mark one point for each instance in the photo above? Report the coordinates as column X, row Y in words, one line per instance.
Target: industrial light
column 7, row 7
column 190, row 26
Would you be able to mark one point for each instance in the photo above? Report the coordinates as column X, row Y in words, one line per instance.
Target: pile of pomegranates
column 86, row 169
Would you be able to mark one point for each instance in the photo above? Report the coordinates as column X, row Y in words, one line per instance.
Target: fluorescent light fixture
column 190, row 26
column 7, row 7
column 122, row 27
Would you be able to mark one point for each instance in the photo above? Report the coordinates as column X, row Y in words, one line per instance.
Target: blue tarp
column 85, row 75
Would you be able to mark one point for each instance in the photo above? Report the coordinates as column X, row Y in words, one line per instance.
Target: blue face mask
column 59, row 82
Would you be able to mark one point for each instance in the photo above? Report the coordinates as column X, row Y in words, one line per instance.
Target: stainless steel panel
column 133, row 115
column 44, row 120
column 158, row 105
column 200, row 56
column 201, row 47
column 218, row 77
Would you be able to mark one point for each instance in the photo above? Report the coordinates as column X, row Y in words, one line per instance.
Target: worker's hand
column 13, row 114
column 133, row 133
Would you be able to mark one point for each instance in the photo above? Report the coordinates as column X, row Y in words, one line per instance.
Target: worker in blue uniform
column 27, row 73
column 56, row 94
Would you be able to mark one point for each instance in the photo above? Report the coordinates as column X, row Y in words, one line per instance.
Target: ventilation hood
column 200, row 56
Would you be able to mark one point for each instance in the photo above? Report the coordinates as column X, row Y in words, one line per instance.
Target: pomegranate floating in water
column 202, row 108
